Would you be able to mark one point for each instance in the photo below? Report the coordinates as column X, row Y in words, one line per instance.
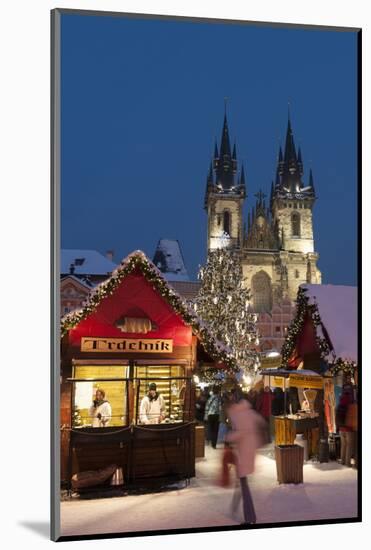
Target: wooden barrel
column 285, row 432
column 289, row 463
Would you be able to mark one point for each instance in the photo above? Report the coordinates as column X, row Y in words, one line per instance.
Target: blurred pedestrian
column 245, row 437
column 212, row 414
column 347, row 434
column 201, row 398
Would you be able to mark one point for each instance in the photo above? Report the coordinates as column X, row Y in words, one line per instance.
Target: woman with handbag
column 245, row 439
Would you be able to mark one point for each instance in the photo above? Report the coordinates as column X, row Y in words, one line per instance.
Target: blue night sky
column 142, row 103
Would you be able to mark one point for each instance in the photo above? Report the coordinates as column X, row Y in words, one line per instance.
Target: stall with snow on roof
column 134, row 330
column 322, row 343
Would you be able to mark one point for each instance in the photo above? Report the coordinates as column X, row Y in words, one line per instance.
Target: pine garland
column 138, row 261
column 305, row 309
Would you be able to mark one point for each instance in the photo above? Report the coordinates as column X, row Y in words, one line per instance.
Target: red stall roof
column 138, row 289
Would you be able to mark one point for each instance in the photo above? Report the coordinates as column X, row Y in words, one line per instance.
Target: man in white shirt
column 100, row 410
column 152, row 407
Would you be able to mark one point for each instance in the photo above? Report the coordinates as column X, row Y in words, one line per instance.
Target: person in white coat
column 100, row 410
column 152, row 407
column 245, row 439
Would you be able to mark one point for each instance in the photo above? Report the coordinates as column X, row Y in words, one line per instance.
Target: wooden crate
column 289, row 463
column 285, row 431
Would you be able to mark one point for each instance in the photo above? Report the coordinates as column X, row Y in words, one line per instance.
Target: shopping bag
column 228, row 460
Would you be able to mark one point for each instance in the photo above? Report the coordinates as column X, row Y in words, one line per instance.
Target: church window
column 297, row 273
column 227, row 222
column 300, row 205
column 261, row 292
column 295, row 224
column 295, row 205
column 290, row 205
column 219, row 219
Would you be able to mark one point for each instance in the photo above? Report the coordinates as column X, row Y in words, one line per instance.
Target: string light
column 137, row 261
column 304, row 311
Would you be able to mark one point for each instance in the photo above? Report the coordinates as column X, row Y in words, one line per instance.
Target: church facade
column 277, row 243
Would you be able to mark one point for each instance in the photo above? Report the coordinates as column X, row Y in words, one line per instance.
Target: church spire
column 290, row 151
column 225, row 163
column 291, row 165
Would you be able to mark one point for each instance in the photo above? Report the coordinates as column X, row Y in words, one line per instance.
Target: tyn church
column 276, row 245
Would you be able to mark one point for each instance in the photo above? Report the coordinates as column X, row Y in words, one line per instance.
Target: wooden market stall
column 133, row 331
column 322, row 339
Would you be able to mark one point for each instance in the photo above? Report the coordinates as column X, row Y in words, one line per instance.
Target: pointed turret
column 242, row 179
column 300, row 162
column 271, row 196
column 311, row 182
column 234, row 155
column 209, row 183
column 234, row 159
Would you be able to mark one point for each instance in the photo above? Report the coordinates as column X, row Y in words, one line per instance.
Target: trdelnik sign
column 119, row 345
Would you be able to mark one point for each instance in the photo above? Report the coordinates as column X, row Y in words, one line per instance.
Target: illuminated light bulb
column 215, row 300
column 196, row 379
column 247, row 379
column 257, row 341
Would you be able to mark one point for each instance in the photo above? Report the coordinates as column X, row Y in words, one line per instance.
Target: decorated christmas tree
column 223, row 303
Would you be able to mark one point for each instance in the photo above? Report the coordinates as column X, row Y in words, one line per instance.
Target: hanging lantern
column 215, row 300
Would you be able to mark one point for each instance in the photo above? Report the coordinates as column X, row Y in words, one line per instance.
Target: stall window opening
column 171, row 384
column 108, row 407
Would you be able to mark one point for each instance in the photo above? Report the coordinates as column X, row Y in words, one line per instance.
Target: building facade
column 277, row 244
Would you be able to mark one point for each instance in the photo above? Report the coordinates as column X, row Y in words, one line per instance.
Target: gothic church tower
column 277, row 247
column 225, row 195
column 291, row 206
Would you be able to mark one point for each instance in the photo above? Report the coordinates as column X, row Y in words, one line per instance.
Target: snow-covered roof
column 168, row 259
column 187, row 289
column 83, row 281
column 85, row 262
column 337, row 307
column 132, row 261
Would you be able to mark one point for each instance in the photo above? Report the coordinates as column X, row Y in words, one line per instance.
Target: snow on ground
column 329, row 491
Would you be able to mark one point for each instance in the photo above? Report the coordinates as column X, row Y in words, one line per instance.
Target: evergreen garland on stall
column 303, row 310
column 138, row 261
column 224, row 304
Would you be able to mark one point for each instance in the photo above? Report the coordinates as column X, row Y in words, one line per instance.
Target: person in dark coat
column 201, row 398
column 278, row 402
column 212, row 414
column 347, row 438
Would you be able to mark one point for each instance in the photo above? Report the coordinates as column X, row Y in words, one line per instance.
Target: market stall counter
column 127, row 389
